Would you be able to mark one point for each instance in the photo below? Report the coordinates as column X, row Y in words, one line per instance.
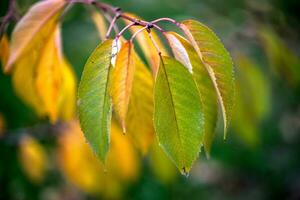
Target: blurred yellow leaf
column 84, row 170
column 2, row 125
column 121, row 84
column 4, row 53
column 67, row 101
column 147, row 45
column 139, row 120
column 282, row 60
column 34, row 29
column 33, row 159
column 161, row 166
column 252, row 100
column 48, row 75
column 99, row 21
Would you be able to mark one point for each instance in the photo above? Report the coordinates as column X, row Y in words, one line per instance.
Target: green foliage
column 94, row 100
column 217, row 61
column 178, row 116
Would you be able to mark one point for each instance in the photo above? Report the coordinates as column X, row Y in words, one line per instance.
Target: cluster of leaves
column 178, row 99
column 187, row 90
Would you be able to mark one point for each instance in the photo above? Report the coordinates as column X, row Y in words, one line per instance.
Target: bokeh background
column 258, row 160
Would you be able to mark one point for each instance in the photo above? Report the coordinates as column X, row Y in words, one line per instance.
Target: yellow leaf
column 33, row 159
column 34, row 29
column 2, row 125
column 48, row 75
column 4, row 53
column 99, row 21
column 147, row 46
column 122, row 159
column 23, row 78
column 122, row 78
column 161, row 166
column 82, row 168
column 67, row 102
column 140, row 111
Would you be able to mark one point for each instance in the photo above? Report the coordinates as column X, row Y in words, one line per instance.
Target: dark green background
column 269, row 171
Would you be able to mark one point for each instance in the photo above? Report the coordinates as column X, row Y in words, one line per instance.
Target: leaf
column 67, row 103
column 33, row 30
column 217, row 62
column 82, row 168
column 147, row 45
column 161, row 166
column 139, row 119
column 99, row 21
column 4, row 53
column 94, row 103
column 33, row 158
column 185, row 53
column 23, row 79
column 178, row 117
column 122, row 78
column 284, row 62
column 49, row 76
column 253, row 100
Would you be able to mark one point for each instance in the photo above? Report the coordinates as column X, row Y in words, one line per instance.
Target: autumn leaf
column 147, row 45
column 122, row 78
column 178, row 117
column 67, row 99
column 82, row 168
column 4, row 53
column 33, row 158
column 94, row 103
column 49, row 75
column 217, row 61
column 34, row 29
column 100, row 24
column 253, row 100
column 185, row 53
column 139, row 120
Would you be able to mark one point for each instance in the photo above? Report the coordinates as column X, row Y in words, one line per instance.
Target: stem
column 124, row 29
column 137, row 32
column 154, row 43
column 166, row 19
column 112, row 24
column 12, row 14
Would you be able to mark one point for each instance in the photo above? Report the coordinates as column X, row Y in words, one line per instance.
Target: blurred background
column 258, row 160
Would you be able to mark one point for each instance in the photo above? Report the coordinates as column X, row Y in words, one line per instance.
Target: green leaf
column 94, row 101
column 217, row 61
column 178, row 117
column 253, row 100
column 185, row 53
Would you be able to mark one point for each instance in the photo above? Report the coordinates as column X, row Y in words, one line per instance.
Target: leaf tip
column 185, row 172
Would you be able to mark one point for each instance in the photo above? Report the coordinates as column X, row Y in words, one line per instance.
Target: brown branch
column 11, row 15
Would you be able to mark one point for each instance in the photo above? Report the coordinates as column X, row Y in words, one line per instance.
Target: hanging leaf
column 253, row 100
column 284, row 62
column 4, row 53
column 94, row 103
column 185, row 53
column 99, row 21
column 139, row 120
column 34, row 29
column 161, row 166
column 67, row 103
column 178, row 117
column 49, row 75
column 23, row 79
column 217, row 61
column 33, row 158
column 122, row 78
column 147, row 45
column 82, row 168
